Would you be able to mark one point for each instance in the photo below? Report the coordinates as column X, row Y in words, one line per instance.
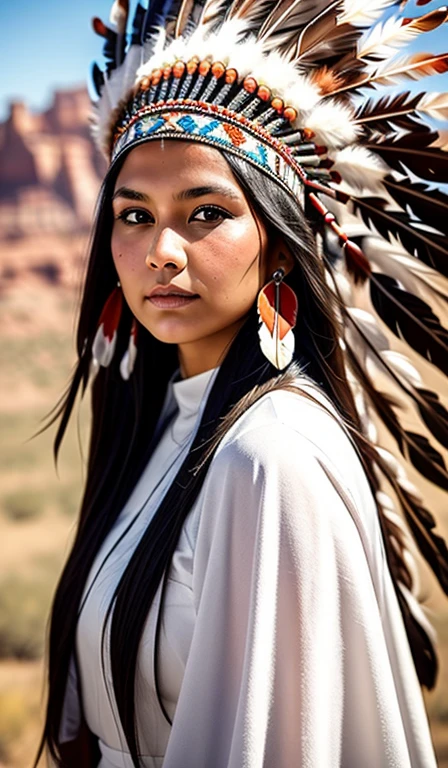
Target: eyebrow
column 186, row 194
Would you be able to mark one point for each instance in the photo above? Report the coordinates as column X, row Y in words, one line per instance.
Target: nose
column 166, row 252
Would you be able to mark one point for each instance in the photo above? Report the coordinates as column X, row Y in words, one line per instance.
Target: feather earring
column 103, row 346
column 277, row 308
column 128, row 360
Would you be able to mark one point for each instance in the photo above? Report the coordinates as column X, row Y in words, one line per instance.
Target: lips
column 170, row 297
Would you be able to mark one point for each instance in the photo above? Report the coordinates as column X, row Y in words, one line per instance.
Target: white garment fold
column 282, row 643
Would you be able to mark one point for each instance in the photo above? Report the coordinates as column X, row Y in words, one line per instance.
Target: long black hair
column 124, row 417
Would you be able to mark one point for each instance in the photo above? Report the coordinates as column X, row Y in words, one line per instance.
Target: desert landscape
column 49, row 178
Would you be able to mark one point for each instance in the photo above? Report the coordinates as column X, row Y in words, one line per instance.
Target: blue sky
column 50, row 44
column 46, row 45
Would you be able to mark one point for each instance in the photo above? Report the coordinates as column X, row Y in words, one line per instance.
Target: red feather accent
column 287, row 305
column 100, row 28
column 357, row 263
column 103, row 346
column 110, row 316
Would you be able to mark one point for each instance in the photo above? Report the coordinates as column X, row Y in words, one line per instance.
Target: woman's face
column 189, row 252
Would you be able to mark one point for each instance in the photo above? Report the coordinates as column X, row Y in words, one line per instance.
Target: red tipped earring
column 103, row 346
column 277, row 308
column 105, row 340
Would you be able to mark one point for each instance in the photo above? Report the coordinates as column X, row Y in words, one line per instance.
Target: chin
column 174, row 335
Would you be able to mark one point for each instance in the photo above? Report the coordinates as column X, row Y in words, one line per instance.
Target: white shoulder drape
column 282, row 643
column 298, row 656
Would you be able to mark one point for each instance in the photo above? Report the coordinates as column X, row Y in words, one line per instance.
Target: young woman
column 239, row 591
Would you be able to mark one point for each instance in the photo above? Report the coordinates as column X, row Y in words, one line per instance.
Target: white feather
column 417, row 611
column 385, row 360
column 103, row 349
column 278, row 353
column 221, row 46
column 303, row 95
column 389, row 510
column 129, row 68
column 118, row 17
column 360, row 12
column 442, row 141
column 435, row 105
column 402, row 366
column 331, row 123
column 392, row 259
column 400, row 475
column 360, row 168
column 368, row 427
column 369, row 326
column 387, row 37
column 244, row 58
column 94, row 368
column 387, row 504
column 128, row 360
column 113, row 86
column 156, row 60
column 344, row 285
column 226, row 44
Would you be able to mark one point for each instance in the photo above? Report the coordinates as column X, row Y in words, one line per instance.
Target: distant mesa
column 50, row 170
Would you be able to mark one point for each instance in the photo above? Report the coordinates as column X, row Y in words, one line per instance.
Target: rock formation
column 50, row 174
column 49, row 169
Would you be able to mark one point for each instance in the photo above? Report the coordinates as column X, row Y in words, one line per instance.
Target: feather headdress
column 293, row 87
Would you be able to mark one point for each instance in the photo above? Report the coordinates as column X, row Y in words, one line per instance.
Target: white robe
column 282, row 643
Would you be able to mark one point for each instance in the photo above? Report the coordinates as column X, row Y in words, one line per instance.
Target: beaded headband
column 224, row 129
column 205, row 103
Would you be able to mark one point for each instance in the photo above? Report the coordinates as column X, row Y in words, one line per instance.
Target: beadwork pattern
column 218, row 127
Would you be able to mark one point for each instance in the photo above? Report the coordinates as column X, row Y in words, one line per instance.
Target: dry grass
column 37, row 505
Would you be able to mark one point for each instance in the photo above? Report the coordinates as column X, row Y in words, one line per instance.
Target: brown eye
column 135, row 216
column 210, row 214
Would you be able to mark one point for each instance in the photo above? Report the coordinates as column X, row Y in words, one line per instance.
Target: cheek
column 126, row 255
column 231, row 257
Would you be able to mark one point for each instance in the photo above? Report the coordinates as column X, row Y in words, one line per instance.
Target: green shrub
column 23, row 505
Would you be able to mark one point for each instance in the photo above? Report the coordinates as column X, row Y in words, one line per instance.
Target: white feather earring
column 129, row 357
column 104, row 343
column 105, row 340
column 277, row 308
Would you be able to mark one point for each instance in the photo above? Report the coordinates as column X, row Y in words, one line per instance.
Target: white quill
column 386, row 38
column 360, row 168
column 360, row 12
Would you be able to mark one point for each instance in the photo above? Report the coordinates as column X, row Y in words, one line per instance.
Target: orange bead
column 231, row 76
column 218, row 69
column 166, row 73
column 144, row 84
column 156, row 76
column 204, row 68
column 308, row 133
column 264, row 93
column 290, row 114
column 250, row 84
column 192, row 66
column 178, row 69
column 277, row 104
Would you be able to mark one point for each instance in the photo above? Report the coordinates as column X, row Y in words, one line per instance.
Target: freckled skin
column 211, row 245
